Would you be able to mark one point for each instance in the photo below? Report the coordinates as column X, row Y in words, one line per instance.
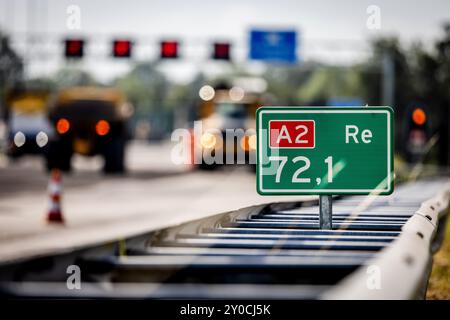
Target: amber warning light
column 419, row 116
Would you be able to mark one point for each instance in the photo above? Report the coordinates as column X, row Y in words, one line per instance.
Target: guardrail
column 275, row 251
column 409, row 257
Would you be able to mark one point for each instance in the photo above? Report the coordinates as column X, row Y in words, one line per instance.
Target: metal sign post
column 326, row 212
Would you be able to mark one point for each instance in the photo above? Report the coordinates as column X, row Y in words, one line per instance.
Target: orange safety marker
column 54, row 189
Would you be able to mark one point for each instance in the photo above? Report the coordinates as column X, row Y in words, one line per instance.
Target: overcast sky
column 325, row 27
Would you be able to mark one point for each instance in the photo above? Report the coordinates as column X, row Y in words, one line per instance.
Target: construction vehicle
column 89, row 121
column 228, row 133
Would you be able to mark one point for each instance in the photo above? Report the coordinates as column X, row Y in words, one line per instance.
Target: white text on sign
column 292, row 134
column 351, row 131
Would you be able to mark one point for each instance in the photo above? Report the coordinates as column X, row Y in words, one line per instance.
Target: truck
column 26, row 118
column 228, row 128
column 89, row 121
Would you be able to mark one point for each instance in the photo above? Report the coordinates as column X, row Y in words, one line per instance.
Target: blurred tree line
column 11, row 70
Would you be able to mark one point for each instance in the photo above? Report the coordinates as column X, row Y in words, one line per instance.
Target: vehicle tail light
column 102, row 128
column 62, row 126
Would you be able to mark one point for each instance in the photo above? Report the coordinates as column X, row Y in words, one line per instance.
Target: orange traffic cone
column 54, row 189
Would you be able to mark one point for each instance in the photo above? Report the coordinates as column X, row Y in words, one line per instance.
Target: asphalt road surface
column 154, row 193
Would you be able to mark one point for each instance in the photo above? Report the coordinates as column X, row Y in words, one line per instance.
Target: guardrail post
column 326, row 212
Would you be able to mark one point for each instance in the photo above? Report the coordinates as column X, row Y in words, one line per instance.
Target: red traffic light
column 221, row 51
column 122, row 48
column 169, row 49
column 74, row 48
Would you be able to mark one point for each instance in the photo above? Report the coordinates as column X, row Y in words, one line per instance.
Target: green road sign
column 323, row 150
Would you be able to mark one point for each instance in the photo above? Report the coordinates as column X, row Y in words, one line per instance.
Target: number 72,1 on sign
column 322, row 150
column 307, row 163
